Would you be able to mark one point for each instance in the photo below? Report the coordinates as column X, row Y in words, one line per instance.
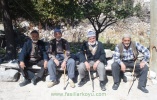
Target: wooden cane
column 64, row 73
column 64, row 78
column 91, row 80
column 89, row 73
column 133, row 72
column 134, row 77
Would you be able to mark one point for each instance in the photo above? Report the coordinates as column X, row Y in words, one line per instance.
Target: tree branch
column 92, row 20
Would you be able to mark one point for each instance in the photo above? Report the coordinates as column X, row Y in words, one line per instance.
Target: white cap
column 90, row 33
column 126, row 35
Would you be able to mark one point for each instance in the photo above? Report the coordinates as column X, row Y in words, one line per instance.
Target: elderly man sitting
column 92, row 56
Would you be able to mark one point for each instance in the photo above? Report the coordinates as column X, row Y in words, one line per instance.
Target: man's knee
column 81, row 66
column 145, row 68
column 50, row 63
column 114, row 65
column 101, row 66
column 71, row 61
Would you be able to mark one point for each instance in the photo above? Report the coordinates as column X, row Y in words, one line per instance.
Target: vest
column 53, row 45
column 134, row 49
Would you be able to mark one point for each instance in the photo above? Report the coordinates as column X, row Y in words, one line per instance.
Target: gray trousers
column 130, row 64
column 100, row 69
column 70, row 67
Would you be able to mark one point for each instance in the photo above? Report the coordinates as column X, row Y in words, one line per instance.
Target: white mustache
column 126, row 44
column 34, row 41
column 92, row 43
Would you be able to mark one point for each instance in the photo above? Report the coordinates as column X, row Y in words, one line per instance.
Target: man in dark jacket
column 33, row 53
column 92, row 56
column 59, row 54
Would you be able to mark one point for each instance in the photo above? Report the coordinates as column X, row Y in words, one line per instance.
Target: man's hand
column 123, row 67
column 63, row 65
column 96, row 64
column 56, row 62
column 87, row 66
column 45, row 64
column 22, row 65
column 142, row 64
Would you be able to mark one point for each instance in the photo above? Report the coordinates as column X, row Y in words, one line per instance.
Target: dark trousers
column 28, row 74
column 130, row 64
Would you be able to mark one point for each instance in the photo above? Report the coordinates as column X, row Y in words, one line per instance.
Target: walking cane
column 134, row 77
column 89, row 73
column 65, row 85
column 91, row 81
column 151, row 49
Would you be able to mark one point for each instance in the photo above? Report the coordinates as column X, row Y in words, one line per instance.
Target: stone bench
column 13, row 65
column 109, row 54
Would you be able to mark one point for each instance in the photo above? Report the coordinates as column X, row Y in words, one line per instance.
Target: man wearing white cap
column 125, row 56
column 92, row 56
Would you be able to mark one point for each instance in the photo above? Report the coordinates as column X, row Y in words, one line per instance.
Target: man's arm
column 82, row 57
column 43, row 50
column 67, row 51
column 144, row 51
column 117, row 59
column 23, row 52
column 102, row 57
column 116, row 56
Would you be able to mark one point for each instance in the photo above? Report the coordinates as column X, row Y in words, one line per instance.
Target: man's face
column 92, row 40
column 126, row 41
column 35, row 36
column 57, row 35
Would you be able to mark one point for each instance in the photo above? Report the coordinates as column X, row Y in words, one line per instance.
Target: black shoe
column 102, row 85
column 25, row 82
column 115, row 86
column 124, row 79
column 82, row 82
column 143, row 89
column 34, row 80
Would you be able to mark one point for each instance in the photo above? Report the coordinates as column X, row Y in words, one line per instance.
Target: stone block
column 10, row 75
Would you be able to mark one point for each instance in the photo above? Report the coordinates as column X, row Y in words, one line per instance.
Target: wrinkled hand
column 63, row 65
column 142, row 64
column 22, row 65
column 56, row 62
column 123, row 67
column 87, row 66
column 96, row 64
column 45, row 64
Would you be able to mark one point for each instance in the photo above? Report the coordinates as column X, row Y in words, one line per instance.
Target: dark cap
column 57, row 30
column 34, row 31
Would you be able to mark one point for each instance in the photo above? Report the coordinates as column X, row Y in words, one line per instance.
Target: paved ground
column 12, row 91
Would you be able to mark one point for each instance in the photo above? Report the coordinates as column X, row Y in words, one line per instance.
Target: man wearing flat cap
column 125, row 56
column 59, row 54
column 92, row 57
column 33, row 53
